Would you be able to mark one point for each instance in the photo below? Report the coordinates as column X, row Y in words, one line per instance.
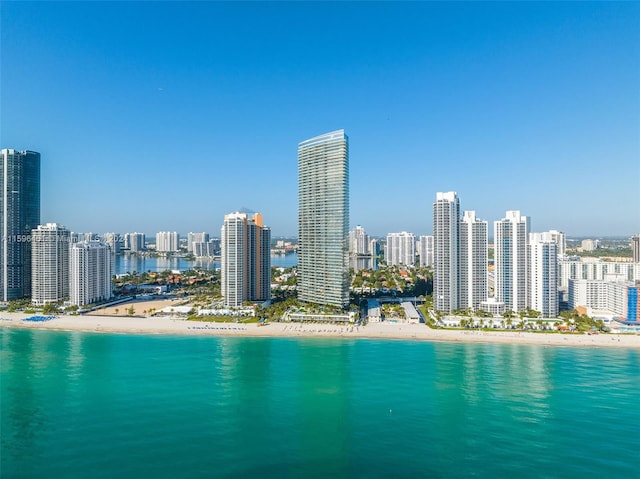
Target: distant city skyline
column 516, row 106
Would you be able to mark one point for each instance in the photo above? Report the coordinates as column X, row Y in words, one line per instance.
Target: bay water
column 84, row 405
column 129, row 263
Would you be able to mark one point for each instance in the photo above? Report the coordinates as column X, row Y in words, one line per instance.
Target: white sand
column 162, row 325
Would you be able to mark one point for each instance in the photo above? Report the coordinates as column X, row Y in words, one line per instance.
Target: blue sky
column 158, row 116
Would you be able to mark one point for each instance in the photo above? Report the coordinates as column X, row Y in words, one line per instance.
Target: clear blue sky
column 166, row 116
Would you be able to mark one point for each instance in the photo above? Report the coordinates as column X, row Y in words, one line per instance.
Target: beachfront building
column 20, row 213
column 134, row 242
column 425, row 251
column 446, row 248
column 400, row 249
column 511, row 239
column 473, row 261
column 323, row 219
column 617, row 297
column 543, row 272
column 196, row 238
column 167, row 242
column 49, row 264
column 574, row 267
column 91, row 271
column 245, row 259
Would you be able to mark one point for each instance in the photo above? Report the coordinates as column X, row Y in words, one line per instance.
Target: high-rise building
column 358, row 241
column 557, row 237
column 113, row 240
column 511, row 240
column 49, row 264
column 167, row 242
column 425, row 250
column 196, row 238
column 446, row 248
column 635, row 248
column 246, row 259
column 543, row 275
column 400, row 249
column 473, row 261
column 91, row 272
column 590, row 244
column 206, row 250
column 323, row 219
column 134, row 242
column 20, row 213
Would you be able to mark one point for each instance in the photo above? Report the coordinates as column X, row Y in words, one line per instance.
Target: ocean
column 85, row 405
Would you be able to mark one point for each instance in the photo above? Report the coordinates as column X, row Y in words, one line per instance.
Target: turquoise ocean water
column 80, row 405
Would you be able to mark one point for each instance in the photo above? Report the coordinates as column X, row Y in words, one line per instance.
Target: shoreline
column 398, row 331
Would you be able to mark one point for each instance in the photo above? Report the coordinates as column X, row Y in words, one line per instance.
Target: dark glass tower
column 20, row 206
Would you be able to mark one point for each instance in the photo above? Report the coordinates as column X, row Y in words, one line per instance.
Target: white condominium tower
column 511, row 236
column 425, row 250
column 113, row 240
column 91, row 272
column 446, row 237
column 167, row 241
column 323, row 219
column 543, row 275
column 557, row 237
column 19, row 214
column 196, row 238
column 400, row 249
column 358, row 241
column 246, row 259
column 134, row 241
column 473, row 261
column 50, row 264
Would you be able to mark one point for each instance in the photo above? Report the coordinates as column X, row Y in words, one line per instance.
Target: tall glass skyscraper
column 446, row 252
column 511, row 242
column 20, row 213
column 323, row 219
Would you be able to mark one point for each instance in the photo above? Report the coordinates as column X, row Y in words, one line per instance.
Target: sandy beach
column 164, row 325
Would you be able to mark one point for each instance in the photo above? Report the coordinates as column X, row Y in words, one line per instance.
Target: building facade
column 358, row 241
column 446, row 248
column 49, row 264
column 635, row 248
column 473, row 261
column 617, row 297
column 400, row 249
column 511, row 239
column 20, row 213
column 543, row 275
column 209, row 249
column 196, row 238
column 323, row 219
column 167, row 242
column 425, row 251
column 91, row 272
column 245, row 259
column 134, row 242
column 574, row 267
column 114, row 241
